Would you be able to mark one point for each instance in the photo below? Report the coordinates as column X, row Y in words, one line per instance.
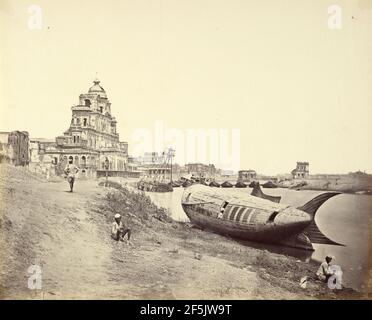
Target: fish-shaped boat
column 214, row 184
column 240, row 184
column 226, row 184
column 254, row 218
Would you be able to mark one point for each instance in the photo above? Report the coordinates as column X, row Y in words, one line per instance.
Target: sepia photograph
column 168, row 150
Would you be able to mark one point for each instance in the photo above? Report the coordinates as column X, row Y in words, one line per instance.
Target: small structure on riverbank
column 247, row 175
column 301, row 171
column 200, row 171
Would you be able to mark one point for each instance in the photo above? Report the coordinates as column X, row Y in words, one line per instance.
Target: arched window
column 87, row 103
column 83, row 160
column 70, row 158
column 76, row 160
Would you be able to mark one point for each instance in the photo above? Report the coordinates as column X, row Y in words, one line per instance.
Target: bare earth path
column 50, row 227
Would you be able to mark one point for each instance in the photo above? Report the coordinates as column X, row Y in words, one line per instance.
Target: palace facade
column 91, row 138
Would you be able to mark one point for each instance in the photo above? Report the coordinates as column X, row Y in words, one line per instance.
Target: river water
column 344, row 219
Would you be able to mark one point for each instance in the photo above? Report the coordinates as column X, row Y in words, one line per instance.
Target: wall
column 16, row 149
column 124, row 174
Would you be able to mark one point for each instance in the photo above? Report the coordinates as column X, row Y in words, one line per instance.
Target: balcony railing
column 80, row 144
column 81, row 126
column 80, row 107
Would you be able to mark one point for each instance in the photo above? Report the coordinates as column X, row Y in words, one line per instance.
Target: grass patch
column 136, row 208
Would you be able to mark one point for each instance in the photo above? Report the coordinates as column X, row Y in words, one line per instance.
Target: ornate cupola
column 97, row 89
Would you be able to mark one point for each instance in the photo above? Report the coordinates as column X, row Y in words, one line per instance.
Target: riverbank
column 345, row 184
column 361, row 184
column 68, row 235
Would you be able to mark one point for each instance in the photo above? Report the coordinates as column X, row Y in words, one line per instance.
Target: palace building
column 91, row 138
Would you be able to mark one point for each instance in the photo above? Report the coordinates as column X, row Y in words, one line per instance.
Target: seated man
column 118, row 230
column 324, row 271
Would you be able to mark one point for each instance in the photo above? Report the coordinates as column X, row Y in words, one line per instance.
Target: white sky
column 297, row 90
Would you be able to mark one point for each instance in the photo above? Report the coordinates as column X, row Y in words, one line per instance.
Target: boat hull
column 155, row 187
column 268, row 233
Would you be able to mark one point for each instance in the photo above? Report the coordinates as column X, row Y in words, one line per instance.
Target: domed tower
column 96, row 99
column 92, row 136
column 97, row 89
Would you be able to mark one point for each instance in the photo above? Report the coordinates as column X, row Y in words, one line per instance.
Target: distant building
column 200, row 170
column 160, row 171
column 40, row 162
column 358, row 174
column 38, row 146
column 301, row 171
column 14, row 147
column 227, row 173
column 247, row 175
column 133, row 164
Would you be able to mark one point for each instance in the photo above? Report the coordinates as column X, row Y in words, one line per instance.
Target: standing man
column 324, row 272
column 71, row 170
column 106, row 165
column 118, row 230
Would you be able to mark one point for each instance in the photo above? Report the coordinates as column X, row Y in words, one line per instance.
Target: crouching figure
column 119, row 230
